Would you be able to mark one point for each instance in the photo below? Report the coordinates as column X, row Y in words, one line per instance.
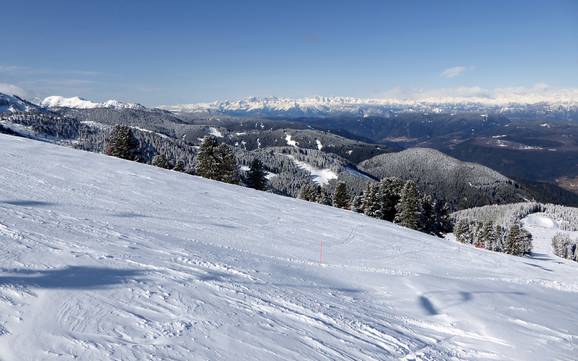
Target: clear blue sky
column 166, row 52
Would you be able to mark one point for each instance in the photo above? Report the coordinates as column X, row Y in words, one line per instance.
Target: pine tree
column 462, row 231
column 525, row 242
column 161, row 161
column 341, row 196
column 488, row 236
column 427, row 215
column 442, row 220
column 180, row 166
column 391, row 189
column 122, row 143
column 371, row 206
column 323, row 197
column 408, row 211
column 217, row 162
column 357, row 204
column 228, row 170
column 309, row 192
column 256, row 176
column 512, row 242
column 207, row 160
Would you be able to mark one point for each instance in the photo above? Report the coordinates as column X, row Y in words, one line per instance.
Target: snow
column 290, row 141
column 319, row 145
column 104, row 259
column 80, row 103
column 320, row 176
column 543, row 228
column 215, row 132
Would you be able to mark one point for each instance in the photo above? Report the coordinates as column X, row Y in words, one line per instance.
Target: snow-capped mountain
column 367, row 107
column 13, row 103
column 80, row 103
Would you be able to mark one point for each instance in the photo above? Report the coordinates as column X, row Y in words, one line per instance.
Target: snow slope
column 104, row 259
column 543, row 228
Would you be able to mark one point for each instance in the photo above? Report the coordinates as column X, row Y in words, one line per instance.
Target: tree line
column 514, row 239
column 390, row 199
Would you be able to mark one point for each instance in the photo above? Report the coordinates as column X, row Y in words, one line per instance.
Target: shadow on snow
column 72, row 277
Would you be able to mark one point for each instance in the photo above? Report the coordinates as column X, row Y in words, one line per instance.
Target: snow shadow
column 72, row 277
column 428, row 307
column 27, row 203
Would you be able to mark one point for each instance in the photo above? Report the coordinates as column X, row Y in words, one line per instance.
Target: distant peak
column 81, row 103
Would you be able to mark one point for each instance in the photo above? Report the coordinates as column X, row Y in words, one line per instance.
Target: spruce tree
column 357, row 204
column 442, row 220
column 512, row 242
column 427, row 215
column 341, row 196
column 122, row 143
column 217, row 161
column 408, row 212
column 256, row 176
column 228, row 171
column 180, row 166
column 462, row 231
column 161, row 161
column 207, row 160
column 309, row 192
column 489, row 236
column 391, row 188
column 371, row 206
column 323, row 197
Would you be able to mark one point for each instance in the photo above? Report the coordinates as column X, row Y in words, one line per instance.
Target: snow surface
column 543, row 228
column 320, row 176
column 290, row 141
column 215, row 132
column 104, row 259
column 80, row 103
column 319, row 145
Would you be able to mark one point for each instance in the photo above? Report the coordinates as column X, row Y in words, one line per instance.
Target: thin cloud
column 455, row 71
column 12, row 89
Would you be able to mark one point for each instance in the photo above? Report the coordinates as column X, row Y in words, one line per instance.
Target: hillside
column 462, row 184
column 104, row 259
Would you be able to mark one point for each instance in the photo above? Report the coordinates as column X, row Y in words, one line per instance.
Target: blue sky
column 171, row 52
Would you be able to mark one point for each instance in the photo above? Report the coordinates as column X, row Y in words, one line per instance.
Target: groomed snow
column 104, row 259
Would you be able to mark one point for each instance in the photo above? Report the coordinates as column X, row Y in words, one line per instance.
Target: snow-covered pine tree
column 323, row 197
column 179, row 166
column 488, row 236
column 442, row 219
column 371, row 204
column 462, row 231
column 408, row 208
column 121, row 143
column 207, row 160
column 525, row 242
column 512, row 242
column 228, row 170
column 309, row 192
column 256, row 176
column 500, row 233
column 341, row 196
column 390, row 188
column 161, row 161
column 426, row 215
column 357, row 204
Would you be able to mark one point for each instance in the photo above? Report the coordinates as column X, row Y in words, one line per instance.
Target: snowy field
column 104, row 259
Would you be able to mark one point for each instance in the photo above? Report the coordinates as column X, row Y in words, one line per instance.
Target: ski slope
column 104, row 259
